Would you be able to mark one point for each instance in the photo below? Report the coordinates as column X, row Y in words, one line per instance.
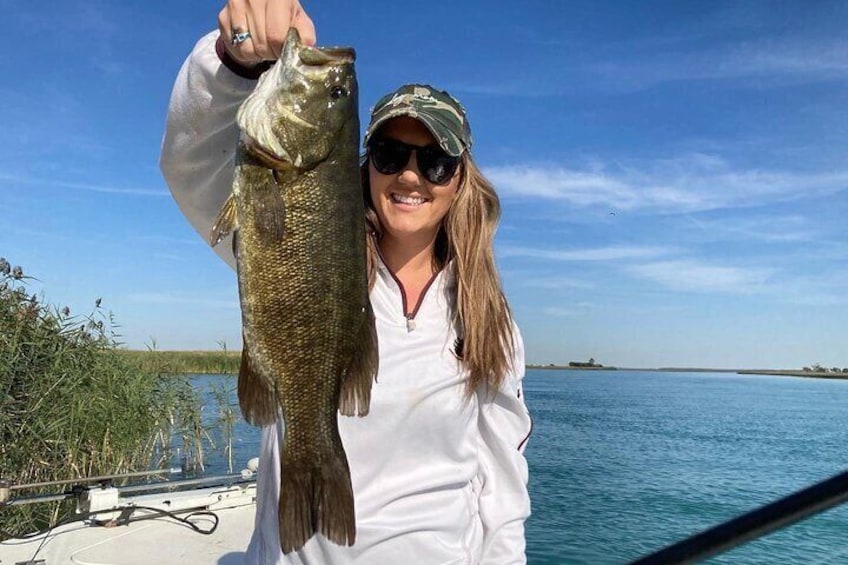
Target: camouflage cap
column 443, row 115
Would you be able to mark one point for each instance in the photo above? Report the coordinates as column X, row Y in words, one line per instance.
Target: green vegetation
column 186, row 362
column 72, row 404
column 824, row 370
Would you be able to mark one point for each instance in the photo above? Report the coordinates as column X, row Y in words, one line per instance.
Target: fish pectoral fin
column 225, row 223
column 355, row 394
column 271, row 211
column 257, row 400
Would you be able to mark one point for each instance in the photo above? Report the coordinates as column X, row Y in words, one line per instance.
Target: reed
column 187, row 362
column 72, row 404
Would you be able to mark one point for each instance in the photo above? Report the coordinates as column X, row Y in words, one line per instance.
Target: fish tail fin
column 316, row 499
column 257, row 400
column 355, row 394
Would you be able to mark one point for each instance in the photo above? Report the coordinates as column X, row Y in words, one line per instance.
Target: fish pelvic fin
column 225, row 223
column 316, row 499
column 355, row 393
column 257, row 400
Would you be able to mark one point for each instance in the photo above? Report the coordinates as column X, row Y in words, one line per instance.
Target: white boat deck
column 159, row 540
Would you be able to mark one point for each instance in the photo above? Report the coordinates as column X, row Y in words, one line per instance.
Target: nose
column 410, row 174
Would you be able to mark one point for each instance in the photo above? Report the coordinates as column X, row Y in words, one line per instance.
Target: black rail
column 757, row 523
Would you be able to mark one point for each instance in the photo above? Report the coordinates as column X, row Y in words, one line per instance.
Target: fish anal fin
column 257, row 400
column 315, row 500
column 225, row 223
column 355, row 394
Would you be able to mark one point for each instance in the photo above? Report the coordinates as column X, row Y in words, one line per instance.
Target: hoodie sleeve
column 201, row 135
column 504, row 503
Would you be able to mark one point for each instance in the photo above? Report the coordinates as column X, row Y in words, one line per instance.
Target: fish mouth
column 324, row 56
column 316, row 56
column 268, row 158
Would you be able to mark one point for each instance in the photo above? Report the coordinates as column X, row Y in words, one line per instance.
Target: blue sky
column 673, row 174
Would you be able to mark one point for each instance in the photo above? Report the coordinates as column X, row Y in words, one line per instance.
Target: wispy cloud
column 695, row 276
column 79, row 18
column 589, row 254
column 510, row 88
column 170, row 241
column 557, row 283
column 103, row 188
column 169, row 256
column 798, row 60
column 771, row 229
column 691, row 183
column 826, row 288
column 645, row 62
column 559, row 312
column 162, row 298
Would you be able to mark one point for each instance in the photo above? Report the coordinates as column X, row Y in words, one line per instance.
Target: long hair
column 466, row 237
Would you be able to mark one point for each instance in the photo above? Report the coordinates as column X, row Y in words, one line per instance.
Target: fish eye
column 338, row 92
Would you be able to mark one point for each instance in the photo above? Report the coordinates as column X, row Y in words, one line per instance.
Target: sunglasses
column 389, row 156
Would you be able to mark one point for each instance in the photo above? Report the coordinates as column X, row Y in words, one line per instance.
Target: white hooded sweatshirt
column 437, row 477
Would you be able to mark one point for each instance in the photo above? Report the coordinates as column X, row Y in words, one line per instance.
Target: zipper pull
column 410, row 323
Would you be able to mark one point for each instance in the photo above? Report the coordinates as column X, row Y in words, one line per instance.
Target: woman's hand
column 268, row 22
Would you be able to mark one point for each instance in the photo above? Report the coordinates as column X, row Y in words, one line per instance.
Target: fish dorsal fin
column 225, row 223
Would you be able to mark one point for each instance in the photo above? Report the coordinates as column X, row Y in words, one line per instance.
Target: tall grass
column 186, row 362
column 73, row 405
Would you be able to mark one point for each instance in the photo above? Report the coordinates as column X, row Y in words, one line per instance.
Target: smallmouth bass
column 310, row 345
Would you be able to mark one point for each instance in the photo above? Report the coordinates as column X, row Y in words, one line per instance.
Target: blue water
column 623, row 463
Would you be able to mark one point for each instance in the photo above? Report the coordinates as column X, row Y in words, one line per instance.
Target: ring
column 239, row 36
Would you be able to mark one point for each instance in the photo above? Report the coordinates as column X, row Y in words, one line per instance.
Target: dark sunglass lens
column 389, row 156
column 437, row 166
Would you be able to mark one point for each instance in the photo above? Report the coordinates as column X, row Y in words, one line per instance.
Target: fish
column 297, row 217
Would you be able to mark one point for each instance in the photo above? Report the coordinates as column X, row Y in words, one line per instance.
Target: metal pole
column 167, row 486
column 760, row 522
column 96, row 479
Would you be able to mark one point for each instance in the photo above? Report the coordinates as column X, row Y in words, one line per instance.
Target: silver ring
column 240, row 36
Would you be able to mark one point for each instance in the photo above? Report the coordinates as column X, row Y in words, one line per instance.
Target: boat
column 194, row 521
column 209, row 520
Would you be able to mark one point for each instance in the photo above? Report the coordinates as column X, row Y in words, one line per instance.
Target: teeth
column 411, row 200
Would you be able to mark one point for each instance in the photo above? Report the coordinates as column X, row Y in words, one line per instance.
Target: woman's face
column 410, row 208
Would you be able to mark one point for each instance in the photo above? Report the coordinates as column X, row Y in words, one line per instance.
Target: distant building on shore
column 584, row 365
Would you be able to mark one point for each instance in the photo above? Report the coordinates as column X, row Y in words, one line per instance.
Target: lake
column 625, row 462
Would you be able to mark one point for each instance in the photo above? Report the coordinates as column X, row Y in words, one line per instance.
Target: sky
column 673, row 175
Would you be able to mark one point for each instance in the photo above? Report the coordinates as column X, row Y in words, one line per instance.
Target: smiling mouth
column 408, row 200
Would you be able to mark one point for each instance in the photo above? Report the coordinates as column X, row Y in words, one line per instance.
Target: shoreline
column 770, row 372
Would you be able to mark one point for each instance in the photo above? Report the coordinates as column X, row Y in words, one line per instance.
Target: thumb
column 303, row 23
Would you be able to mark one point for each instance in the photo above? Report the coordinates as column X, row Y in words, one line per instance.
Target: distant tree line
column 819, row 369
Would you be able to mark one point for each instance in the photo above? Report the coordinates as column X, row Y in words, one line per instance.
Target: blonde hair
column 466, row 236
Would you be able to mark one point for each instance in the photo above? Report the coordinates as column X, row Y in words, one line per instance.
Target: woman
column 437, row 467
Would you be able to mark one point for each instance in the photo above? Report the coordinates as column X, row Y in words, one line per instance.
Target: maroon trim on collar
column 250, row 73
column 423, row 294
column 409, row 315
column 524, row 441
